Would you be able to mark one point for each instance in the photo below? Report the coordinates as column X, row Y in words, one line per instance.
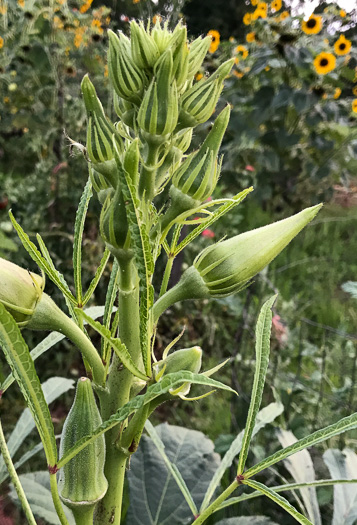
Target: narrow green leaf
column 119, row 348
column 279, row 500
column 18, row 357
column 96, row 278
column 172, row 468
column 158, row 389
column 284, row 488
column 78, row 236
column 345, row 424
column 265, row 416
column 112, row 292
column 222, row 210
column 144, row 263
column 48, row 258
column 262, row 350
column 41, row 261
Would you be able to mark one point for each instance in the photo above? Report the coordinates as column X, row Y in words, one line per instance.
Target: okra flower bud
column 158, row 112
column 20, row 291
column 143, row 46
column 81, row 481
column 100, row 132
column 180, row 53
column 198, row 50
column 186, row 359
column 113, row 220
column 127, row 79
column 227, row 267
column 125, row 110
column 161, row 35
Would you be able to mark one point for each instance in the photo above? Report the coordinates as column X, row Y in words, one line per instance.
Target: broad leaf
column 279, row 500
column 78, row 236
column 52, row 389
column 41, row 261
column 18, row 357
column 37, row 489
column 119, row 348
column 343, row 464
column 301, row 468
column 345, row 424
column 265, row 416
column 262, row 350
column 170, row 381
column 154, row 493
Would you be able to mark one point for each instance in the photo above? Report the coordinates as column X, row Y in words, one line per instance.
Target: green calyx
column 144, row 50
column 20, row 291
column 185, row 359
column 81, row 481
column 113, row 220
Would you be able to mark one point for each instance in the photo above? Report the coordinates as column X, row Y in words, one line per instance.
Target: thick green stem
column 148, row 173
column 84, row 516
column 56, row 500
column 119, row 383
column 213, row 507
column 15, row 479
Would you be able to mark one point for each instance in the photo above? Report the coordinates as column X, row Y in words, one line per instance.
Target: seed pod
column 161, row 35
column 113, row 220
column 198, row 50
column 127, row 79
column 20, row 291
column 100, row 184
column 185, row 359
column 131, row 161
column 143, row 46
column 125, row 110
column 81, row 481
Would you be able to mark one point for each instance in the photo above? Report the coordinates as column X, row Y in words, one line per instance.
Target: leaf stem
column 56, row 500
column 216, row 503
column 15, row 479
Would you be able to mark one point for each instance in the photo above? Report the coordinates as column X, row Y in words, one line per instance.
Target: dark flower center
column 323, row 62
column 342, row 46
column 311, row 23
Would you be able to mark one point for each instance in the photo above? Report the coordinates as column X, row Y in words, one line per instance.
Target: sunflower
column 324, row 63
column 250, row 37
column 276, row 5
column 313, row 25
column 215, row 37
column 242, row 50
column 247, row 18
column 260, row 12
column 354, row 91
column 337, row 93
column 198, row 76
column 343, row 13
column 342, row 46
column 354, row 105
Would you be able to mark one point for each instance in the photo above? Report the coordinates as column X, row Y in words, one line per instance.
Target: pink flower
column 249, row 168
column 209, row 234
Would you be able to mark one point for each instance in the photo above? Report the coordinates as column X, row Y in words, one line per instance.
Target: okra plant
column 149, row 187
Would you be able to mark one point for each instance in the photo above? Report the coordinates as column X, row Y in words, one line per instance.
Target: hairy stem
column 15, row 479
column 84, row 516
column 148, row 174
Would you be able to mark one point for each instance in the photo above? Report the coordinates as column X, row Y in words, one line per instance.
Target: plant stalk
column 148, row 174
column 56, row 500
column 15, row 479
column 83, row 516
column 216, row 503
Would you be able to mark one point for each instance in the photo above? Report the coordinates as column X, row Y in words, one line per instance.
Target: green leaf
column 41, row 261
column 265, row 416
column 96, row 278
column 262, row 350
column 78, row 236
column 343, row 464
column 351, row 288
column 119, row 348
column 52, row 389
column 155, row 497
column 279, row 500
column 301, row 468
column 345, row 424
column 172, row 467
column 249, row 520
column 154, row 391
column 18, row 357
column 110, row 297
column 222, row 210
column 144, row 263
column 49, row 342
column 48, row 258
column 37, row 489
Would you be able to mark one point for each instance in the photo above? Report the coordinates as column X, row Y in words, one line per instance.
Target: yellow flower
column 250, row 37
column 267, row 68
column 276, row 5
column 284, row 14
column 247, row 18
column 262, row 5
column 57, row 22
column 313, row 25
column 324, row 63
column 215, row 37
column 156, row 18
column 96, row 24
column 21, row 3
column 1, row 42
column 84, row 7
column 354, row 105
column 260, row 12
column 337, row 93
column 342, row 13
column 243, row 50
column 342, row 46
column 254, row 2
column 198, row 76
column 354, row 91
column 238, row 74
column 136, row 1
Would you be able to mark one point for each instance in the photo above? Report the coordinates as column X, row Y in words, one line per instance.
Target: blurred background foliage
column 292, row 136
